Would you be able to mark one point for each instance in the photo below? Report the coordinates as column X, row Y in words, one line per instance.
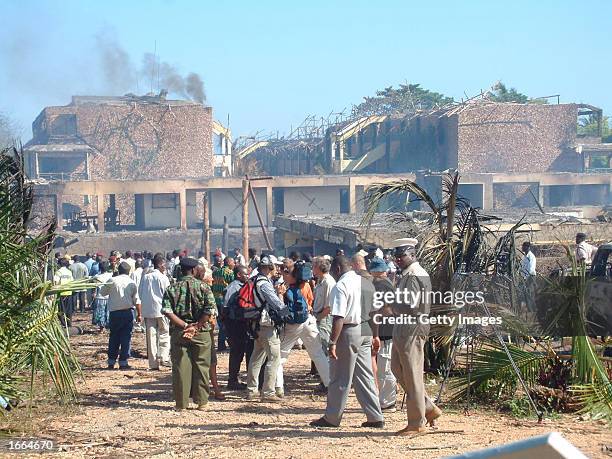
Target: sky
column 266, row 65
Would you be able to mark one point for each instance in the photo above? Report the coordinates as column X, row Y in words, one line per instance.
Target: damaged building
column 508, row 154
column 96, row 138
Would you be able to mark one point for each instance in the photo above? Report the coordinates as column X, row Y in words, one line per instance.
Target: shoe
column 280, row 393
column 321, row 422
column 236, row 386
column 202, row 406
column 409, row 431
column 252, row 395
column 219, row 396
column 125, row 367
column 111, row 367
column 167, row 364
column 271, row 398
column 374, row 424
column 320, row 389
column 389, row 409
column 432, row 415
column 179, row 410
column 154, row 369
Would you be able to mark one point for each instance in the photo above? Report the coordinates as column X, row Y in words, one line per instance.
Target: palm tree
column 33, row 343
column 454, row 242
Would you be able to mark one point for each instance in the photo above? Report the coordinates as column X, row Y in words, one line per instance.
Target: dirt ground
column 129, row 413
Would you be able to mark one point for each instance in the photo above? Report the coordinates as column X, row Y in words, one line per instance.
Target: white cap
column 327, row 257
column 405, row 242
column 279, row 260
column 363, row 253
column 379, row 253
column 273, row 259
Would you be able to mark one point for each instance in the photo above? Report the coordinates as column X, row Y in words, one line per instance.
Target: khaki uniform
column 189, row 299
column 407, row 357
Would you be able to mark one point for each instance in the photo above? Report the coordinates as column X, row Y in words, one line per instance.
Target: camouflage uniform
column 189, row 299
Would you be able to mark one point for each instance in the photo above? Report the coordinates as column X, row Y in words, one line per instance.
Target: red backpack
column 247, row 308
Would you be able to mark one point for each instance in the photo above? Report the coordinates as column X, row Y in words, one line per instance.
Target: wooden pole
column 205, row 228
column 225, row 237
column 261, row 223
column 245, row 217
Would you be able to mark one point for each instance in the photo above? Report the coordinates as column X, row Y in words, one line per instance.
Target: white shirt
column 345, row 298
column 232, row 288
column 528, row 265
column 586, row 252
column 322, row 293
column 103, row 278
column 240, row 260
column 151, row 291
column 122, row 293
column 136, row 276
column 130, row 261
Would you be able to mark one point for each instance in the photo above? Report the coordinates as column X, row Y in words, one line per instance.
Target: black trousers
column 241, row 345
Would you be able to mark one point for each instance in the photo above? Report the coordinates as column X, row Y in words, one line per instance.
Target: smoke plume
column 122, row 76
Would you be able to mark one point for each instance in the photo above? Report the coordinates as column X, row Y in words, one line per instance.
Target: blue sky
column 268, row 64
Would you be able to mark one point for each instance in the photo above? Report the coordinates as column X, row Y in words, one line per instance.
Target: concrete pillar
column 352, row 189
column 487, row 197
column 245, row 218
column 183, row 208
column 540, row 194
column 269, row 206
column 59, row 212
column 100, row 205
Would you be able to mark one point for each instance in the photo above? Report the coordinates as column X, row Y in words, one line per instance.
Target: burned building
column 498, row 148
column 97, row 138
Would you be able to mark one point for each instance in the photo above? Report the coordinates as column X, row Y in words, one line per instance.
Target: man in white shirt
column 350, row 348
column 122, row 299
column 585, row 252
column 528, row 264
column 239, row 258
column 130, row 261
column 151, row 291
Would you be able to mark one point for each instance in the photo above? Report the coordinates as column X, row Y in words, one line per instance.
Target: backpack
column 297, row 306
column 230, row 311
column 247, row 309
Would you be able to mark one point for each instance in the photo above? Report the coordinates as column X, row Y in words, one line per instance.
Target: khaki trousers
column 190, row 367
column 407, row 360
column 158, row 341
column 267, row 345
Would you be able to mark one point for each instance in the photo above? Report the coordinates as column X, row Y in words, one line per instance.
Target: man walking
column 189, row 305
column 241, row 344
column 63, row 276
column 151, row 291
column 79, row 271
column 122, row 300
column 387, row 384
column 321, row 306
column 350, row 349
column 407, row 357
column 267, row 342
column 222, row 277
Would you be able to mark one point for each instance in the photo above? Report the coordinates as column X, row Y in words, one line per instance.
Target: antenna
column 154, row 61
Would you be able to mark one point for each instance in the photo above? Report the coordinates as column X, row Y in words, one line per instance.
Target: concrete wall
column 229, row 203
column 156, row 241
column 517, row 138
column 312, row 200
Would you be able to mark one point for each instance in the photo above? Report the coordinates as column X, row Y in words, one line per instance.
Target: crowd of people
column 262, row 307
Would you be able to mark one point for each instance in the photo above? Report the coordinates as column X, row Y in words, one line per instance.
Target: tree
column 408, row 98
column 9, row 131
column 500, row 93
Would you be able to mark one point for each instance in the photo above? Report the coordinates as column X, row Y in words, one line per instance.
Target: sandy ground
column 129, row 413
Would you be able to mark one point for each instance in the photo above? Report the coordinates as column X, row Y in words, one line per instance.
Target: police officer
column 189, row 305
column 407, row 356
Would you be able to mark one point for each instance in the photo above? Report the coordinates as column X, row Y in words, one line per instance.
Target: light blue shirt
column 528, row 265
